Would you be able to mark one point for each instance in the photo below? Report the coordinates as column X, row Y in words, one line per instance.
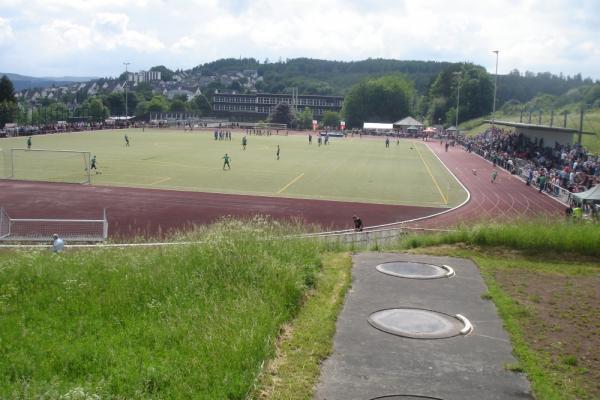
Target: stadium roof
column 522, row 125
column 408, row 121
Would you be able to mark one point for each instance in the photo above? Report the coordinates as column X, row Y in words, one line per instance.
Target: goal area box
column 42, row 229
column 68, row 166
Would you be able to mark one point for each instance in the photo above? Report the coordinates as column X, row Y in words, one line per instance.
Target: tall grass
column 534, row 236
column 191, row 321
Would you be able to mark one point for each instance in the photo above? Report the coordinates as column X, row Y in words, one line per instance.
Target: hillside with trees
column 433, row 97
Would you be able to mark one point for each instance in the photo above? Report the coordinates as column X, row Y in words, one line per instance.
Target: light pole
column 495, row 87
column 458, row 75
column 126, row 79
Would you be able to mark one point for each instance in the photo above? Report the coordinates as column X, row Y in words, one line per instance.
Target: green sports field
column 352, row 169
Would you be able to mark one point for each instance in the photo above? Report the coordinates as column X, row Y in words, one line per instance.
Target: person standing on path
column 226, row 160
column 494, row 175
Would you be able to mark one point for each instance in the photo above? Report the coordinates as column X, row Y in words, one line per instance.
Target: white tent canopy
column 408, row 121
column 592, row 194
column 377, row 126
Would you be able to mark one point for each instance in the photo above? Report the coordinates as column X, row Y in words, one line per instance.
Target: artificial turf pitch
column 352, row 169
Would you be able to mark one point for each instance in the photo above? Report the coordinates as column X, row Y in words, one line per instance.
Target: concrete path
column 368, row 363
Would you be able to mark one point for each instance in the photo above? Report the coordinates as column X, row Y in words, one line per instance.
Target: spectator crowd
column 551, row 168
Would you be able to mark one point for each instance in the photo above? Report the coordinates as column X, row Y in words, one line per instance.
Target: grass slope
column 354, row 169
column 194, row 321
column 544, row 280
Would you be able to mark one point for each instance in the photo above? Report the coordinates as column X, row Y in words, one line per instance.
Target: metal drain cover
column 417, row 323
column 405, row 397
column 415, row 270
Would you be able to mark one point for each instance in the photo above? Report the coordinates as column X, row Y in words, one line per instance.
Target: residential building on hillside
column 257, row 106
column 143, row 76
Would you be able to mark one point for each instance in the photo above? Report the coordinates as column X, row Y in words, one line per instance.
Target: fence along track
column 367, row 236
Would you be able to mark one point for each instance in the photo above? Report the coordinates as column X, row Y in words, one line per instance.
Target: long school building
column 257, row 106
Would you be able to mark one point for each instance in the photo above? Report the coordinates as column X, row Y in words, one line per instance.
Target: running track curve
column 508, row 198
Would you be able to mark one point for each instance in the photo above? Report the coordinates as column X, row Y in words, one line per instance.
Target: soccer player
column 309, row 138
column 226, row 160
column 278, row 152
column 244, row 142
column 387, row 142
column 29, row 143
column 494, row 175
column 126, row 140
column 93, row 164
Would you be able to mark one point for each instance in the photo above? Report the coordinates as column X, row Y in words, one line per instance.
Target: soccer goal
column 68, row 166
column 42, row 229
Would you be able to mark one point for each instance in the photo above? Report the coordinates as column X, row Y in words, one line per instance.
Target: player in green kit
column 29, row 143
column 93, row 165
column 226, row 160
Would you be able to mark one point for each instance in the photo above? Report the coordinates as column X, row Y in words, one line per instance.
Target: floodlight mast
column 495, row 87
column 458, row 74
column 126, row 79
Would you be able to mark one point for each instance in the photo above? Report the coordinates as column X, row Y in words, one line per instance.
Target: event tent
column 377, row 126
column 407, row 122
column 592, row 194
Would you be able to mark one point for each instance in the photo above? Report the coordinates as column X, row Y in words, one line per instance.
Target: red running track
column 151, row 212
column 506, row 199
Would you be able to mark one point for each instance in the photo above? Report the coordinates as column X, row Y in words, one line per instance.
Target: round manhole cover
column 405, row 397
column 419, row 324
column 415, row 270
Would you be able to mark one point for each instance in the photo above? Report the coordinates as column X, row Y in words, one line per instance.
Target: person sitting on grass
column 58, row 245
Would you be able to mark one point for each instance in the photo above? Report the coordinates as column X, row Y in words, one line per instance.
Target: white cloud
column 64, row 36
column 536, row 35
column 6, row 32
column 184, row 43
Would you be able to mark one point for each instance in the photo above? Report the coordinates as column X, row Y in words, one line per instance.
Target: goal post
column 42, row 229
column 68, row 166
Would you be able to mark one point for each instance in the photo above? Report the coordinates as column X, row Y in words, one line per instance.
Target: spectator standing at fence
column 358, row 224
column 542, row 182
column 58, row 245
column 29, row 143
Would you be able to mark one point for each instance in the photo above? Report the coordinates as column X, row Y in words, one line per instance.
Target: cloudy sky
column 95, row 37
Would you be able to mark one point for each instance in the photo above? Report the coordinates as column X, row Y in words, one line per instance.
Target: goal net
column 42, row 229
column 47, row 165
